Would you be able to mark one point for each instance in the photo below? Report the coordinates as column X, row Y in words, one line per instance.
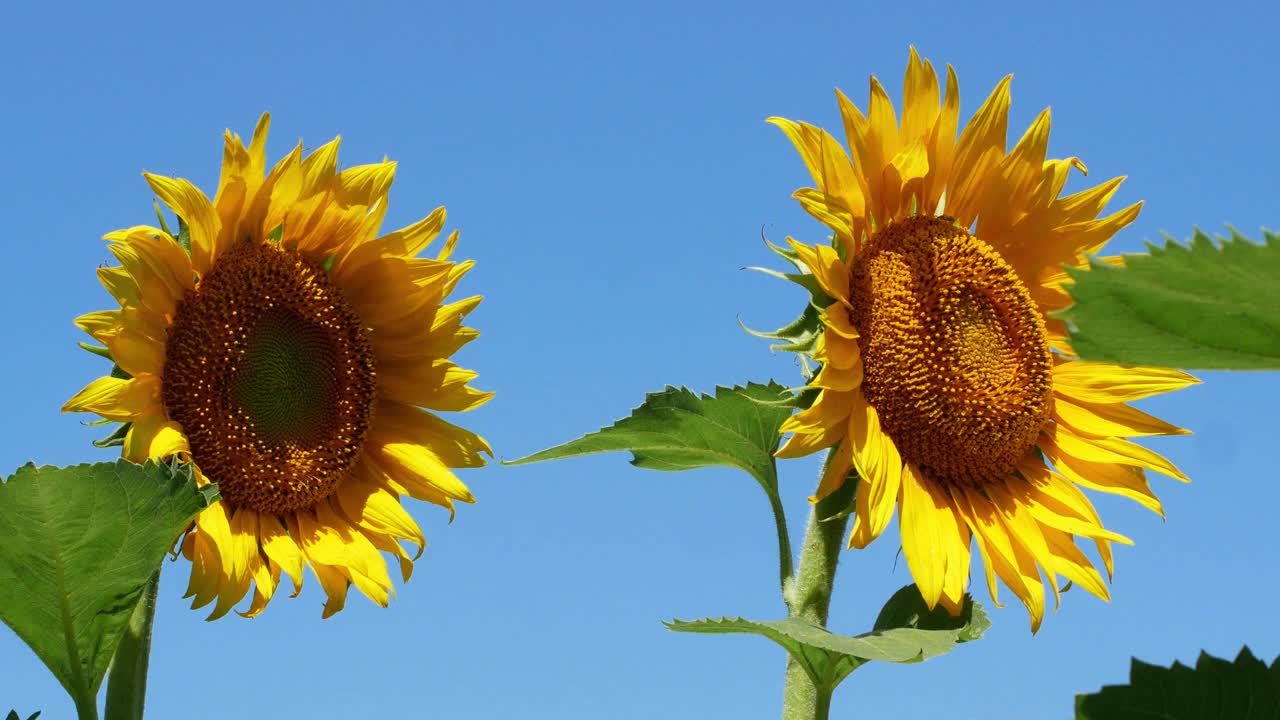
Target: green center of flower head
column 271, row 375
column 286, row 380
column 955, row 354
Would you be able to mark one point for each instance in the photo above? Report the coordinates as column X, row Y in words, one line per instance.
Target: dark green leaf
column 1202, row 306
column 80, row 543
column 828, row 658
column 678, row 429
column 1242, row 690
column 907, row 609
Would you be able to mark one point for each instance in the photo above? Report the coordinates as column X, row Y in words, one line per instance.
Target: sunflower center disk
column 956, row 357
column 269, row 372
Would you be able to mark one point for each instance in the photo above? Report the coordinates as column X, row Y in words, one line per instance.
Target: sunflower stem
column 809, row 598
column 127, row 681
column 786, row 567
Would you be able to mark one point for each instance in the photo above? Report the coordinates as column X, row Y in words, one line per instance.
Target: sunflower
column 293, row 355
column 945, row 380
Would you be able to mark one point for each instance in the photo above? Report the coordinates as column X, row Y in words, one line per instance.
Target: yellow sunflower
column 293, row 355
column 945, row 381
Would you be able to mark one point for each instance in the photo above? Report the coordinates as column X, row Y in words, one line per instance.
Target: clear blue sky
column 610, row 169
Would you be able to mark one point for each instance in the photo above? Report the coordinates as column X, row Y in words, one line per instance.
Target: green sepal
column 327, row 265
column 828, row 658
column 799, row 336
column 99, row 351
column 787, row 254
column 13, row 715
column 1246, row 689
column 804, row 280
column 116, row 438
column 184, row 235
column 1203, row 305
column 840, row 503
column 276, row 234
column 797, row 398
column 160, row 218
column 118, row 372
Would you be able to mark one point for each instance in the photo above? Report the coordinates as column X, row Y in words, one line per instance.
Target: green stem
column 86, row 707
column 127, row 682
column 809, row 598
column 786, row 567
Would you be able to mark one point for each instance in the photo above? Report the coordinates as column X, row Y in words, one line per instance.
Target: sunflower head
column 295, row 355
column 945, row 381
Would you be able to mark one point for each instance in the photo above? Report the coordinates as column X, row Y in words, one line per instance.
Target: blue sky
column 610, row 169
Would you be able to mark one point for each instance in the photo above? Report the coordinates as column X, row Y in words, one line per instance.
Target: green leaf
column 13, row 715
column 80, row 544
column 1242, row 690
column 678, row 429
column 1202, row 306
column 907, row 609
column 828, row 658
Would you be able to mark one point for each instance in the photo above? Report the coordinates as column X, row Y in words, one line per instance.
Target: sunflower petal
column 1098, row 382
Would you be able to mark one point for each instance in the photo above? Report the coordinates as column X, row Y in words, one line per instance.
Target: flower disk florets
column 956, row 358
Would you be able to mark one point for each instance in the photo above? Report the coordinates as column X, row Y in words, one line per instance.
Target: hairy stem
column 809, row 598
column 127, row 681
column 786, row 567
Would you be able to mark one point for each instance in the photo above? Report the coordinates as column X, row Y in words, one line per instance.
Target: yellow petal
column 1110, row 383
column 926, row 514
column 418, row 461
column 818, row 427
column 1010, row 560
column 281, row 548
column 1111, row 450
column 378, row 509
column 364, row 565
column 830, row 212
column 1055, row 502
column 454, row 446
column 839, row 379
column 438, row 386
column 205, row 572
column 153, row 436
column 1110, row 419
column 827, row 268
column 839, row 352
column 836, row 472
column 979, row 148
column 365, row 184
column 186, row 200
column 920, row 99
column 827, row 162
column 117, row 398
column 1123, row 480
column 1067, row 560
